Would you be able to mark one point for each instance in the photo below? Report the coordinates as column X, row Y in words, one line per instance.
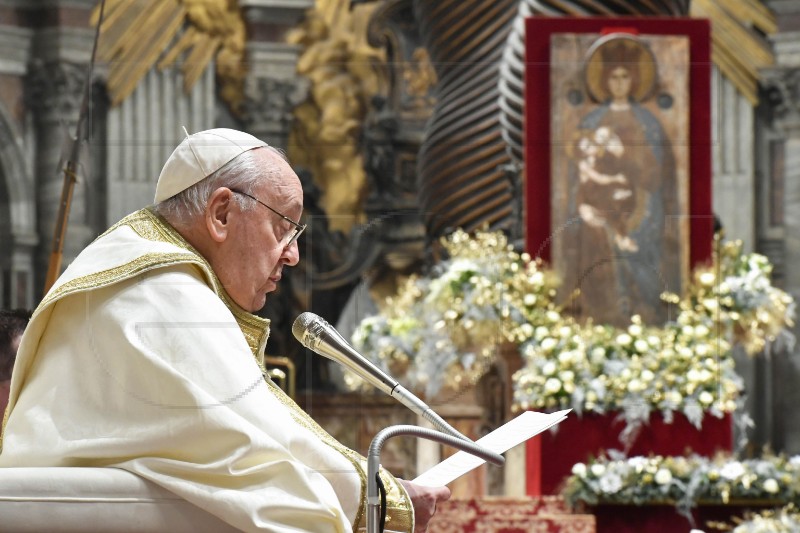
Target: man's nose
column 291, row 254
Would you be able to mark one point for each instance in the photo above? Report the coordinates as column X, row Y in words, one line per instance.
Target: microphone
column 316, row 334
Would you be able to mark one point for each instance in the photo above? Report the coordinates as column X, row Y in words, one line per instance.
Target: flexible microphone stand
column 374, row 518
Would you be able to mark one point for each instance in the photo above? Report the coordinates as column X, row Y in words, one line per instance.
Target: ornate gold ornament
column 341, row 68
column 420, row 76
column 135, row 34
column 737, row 48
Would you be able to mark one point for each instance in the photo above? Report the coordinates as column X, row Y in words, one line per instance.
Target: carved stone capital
column 269, row 103
column 781, row 90
column 55, row 89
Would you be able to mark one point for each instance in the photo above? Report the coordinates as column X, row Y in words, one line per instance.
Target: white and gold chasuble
column 138, row 359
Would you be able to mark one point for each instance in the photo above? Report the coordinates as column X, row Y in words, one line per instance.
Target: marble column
column 54, row 94
column 272, row 88
column 780, row 229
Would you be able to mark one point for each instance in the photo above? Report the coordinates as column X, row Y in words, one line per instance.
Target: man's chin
column 260, row 301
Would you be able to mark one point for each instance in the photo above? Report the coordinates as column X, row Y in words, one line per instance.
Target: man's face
column 253, row 259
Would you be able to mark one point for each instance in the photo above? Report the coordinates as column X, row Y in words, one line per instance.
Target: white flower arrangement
column 684, row 481
column 441, row 332
column 784, row 520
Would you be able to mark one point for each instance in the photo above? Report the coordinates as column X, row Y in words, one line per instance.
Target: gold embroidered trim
column 399, row 511
column 303, row 419
column 113, row 275
column 152, row 227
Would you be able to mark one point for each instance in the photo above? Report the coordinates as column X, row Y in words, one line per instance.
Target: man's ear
column 217, row 211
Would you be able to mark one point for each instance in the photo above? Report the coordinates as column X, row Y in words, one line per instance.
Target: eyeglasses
column 290, row 237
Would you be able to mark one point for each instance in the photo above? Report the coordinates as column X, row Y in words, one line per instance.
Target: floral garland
column 784, row 520
column 442, row 331
column 684, row 481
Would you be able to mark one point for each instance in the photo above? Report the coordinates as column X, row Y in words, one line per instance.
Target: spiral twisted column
column 512, row 66
column 461, row 164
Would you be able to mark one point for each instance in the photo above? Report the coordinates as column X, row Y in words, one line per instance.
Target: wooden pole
column 71, row 172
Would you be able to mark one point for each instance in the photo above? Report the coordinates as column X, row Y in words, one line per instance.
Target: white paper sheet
column 516, row 431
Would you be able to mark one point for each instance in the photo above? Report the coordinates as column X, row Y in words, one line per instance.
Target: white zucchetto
column 198, row 156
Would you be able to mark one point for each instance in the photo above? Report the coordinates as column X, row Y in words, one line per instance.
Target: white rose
column 647, row 375
column 636, row 386
column 624, row 339
column 579, row 469
column 771, row 486
column 541, row 333
column 549, row 368
column 549, row 343
column 527, row 330
column 552, row 385
column 706, row 398
column 641, row 345
column 635, row 330
column 598, row 469
column 598, row 354
column 611, row 483
column 663, row 476
column 568, row 375
column 673, row 396
column 701, row 330
column 529, row 299
column 566, row 357
column 732, row 470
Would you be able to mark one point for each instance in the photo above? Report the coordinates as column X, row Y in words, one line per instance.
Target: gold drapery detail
column 135, row 33
column 737, row 49
column 340, row 66
column 399, row 512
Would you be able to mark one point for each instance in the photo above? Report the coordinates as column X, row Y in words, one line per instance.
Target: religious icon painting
column 619, row 152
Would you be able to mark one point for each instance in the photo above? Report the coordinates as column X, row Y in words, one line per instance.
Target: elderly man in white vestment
column 145, row 355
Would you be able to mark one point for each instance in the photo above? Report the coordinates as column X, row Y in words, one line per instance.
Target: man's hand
column 424, row 500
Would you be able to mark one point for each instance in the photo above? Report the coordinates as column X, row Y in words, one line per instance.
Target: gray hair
column 241, row 173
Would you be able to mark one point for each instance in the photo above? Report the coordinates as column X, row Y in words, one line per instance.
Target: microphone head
column 317, row 335
column 302, row 323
